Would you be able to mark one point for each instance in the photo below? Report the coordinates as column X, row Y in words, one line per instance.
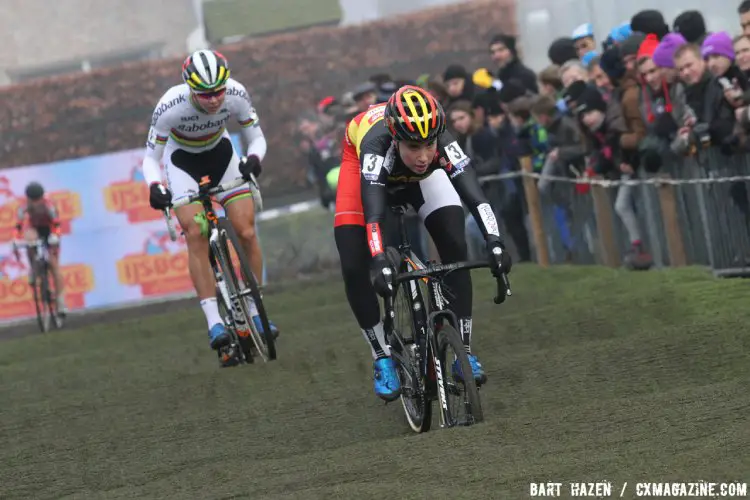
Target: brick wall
column 110, row 110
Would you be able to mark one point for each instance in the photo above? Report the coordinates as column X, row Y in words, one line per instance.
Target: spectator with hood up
column 505, row 55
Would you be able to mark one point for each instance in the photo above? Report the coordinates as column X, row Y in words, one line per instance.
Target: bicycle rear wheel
column 405, row 350
column 248, row 289
column 460, row 388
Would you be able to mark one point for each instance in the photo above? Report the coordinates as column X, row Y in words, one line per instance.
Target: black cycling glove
column 382, row 275
column 500, row 258
column 250, row 165
column 159, row 196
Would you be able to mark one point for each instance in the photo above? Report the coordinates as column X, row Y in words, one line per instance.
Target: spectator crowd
column 621, row 108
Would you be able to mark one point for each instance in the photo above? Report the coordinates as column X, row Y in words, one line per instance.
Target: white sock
column 211, row 310
column 465, row 325
column 375, row 337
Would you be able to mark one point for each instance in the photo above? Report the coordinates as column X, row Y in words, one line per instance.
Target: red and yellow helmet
column 413, row 114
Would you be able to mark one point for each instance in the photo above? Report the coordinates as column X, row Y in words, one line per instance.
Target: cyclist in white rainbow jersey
column 188, row 130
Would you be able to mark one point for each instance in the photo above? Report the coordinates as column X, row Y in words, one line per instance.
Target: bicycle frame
column 424, row 325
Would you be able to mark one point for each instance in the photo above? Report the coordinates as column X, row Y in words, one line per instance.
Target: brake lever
column 503, row 289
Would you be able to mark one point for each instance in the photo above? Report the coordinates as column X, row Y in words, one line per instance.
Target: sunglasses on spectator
column 209, row 95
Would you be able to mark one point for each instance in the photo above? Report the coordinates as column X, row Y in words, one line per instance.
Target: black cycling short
column 213, row 162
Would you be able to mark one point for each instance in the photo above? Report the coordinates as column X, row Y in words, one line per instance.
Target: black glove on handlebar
column 382, row 275
column 159, row 196
column 250, row 165
column 500, row 258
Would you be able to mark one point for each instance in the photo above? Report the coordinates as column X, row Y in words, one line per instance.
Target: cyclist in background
column 400, row 153
column 38, row 219
column 188, row 129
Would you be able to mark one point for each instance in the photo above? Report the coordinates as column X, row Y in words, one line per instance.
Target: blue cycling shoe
column 259, row 326
column 476, row 370
column 218, row 336
column 387, row 384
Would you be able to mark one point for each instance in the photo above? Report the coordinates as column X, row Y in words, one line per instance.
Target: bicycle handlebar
column 254, row 190
column 209, row 192
column 437, row 270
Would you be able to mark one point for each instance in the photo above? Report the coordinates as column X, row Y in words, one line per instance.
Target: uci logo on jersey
column 166, row 106
column 189, row 118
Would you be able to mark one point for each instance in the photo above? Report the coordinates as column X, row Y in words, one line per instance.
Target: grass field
column 594, row 375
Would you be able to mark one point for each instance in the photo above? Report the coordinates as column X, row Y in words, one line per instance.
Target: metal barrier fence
column 692, row 212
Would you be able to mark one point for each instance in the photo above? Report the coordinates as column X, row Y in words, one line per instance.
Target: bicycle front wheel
column 462, row 396
column 405, row 347
column 247, row 287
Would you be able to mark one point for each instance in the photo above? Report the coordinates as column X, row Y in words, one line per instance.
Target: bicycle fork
column 233, row 300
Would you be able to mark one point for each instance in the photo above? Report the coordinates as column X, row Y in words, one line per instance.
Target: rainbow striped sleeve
column 249, row 122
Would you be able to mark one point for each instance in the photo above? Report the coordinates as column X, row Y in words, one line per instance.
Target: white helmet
column 205, row 70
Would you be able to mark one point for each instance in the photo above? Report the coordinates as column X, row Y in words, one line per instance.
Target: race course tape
column 294, row 208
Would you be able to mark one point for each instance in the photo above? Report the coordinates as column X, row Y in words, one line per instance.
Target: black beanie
column 574, row 92
column 590, row 100
column 650, row 22
column 691, row 25
column 561, row 51
column 612, row 64
column 507, row 40
column 455, row 71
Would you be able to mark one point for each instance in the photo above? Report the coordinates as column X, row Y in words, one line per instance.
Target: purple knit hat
column 719, row 44
column 664, row 53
